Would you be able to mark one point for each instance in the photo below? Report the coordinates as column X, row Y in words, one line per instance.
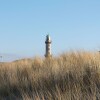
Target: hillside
column 9, row 57
column 70, row 76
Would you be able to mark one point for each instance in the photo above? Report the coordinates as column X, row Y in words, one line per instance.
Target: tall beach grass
column 70, row 76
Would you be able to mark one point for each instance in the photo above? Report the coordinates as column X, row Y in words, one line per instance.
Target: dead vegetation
column 70, row 76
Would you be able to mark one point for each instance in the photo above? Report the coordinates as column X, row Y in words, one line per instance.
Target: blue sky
column 72, row 24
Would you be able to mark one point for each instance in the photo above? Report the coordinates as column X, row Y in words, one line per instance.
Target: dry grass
column 70, row 76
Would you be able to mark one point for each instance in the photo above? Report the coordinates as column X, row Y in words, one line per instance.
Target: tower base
column 48, row 56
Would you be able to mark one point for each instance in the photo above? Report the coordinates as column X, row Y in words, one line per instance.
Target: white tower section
column 48, row 46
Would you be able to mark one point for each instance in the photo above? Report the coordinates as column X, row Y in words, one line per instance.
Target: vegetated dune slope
column 70, row 76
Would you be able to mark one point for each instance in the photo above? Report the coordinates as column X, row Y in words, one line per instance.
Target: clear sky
column 72, row 24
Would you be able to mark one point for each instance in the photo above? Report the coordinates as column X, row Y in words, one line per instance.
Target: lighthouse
column 48, row 46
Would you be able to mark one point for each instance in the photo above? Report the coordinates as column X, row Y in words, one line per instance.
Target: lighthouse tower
column 48, row 46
